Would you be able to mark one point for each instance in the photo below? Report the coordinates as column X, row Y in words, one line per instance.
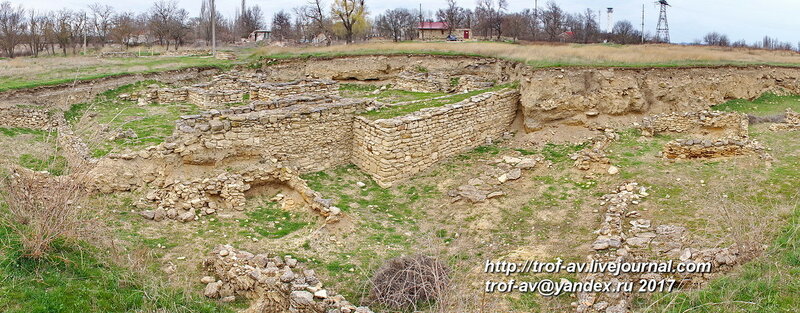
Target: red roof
column 433, row 25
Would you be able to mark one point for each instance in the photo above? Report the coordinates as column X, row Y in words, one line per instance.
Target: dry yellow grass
column 558, row 55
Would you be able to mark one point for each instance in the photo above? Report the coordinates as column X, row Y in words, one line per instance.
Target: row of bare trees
column 27, row 31
column 34, row 32
column 769, row 43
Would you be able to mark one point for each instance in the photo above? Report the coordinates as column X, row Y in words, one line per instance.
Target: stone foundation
column 24, row 118
column 398, row 148
column 791, row 121
column 707, row 124
column 707, row 149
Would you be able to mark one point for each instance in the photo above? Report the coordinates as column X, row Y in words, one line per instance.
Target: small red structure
column 439, row 31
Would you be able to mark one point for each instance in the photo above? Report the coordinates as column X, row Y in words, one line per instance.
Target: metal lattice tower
column 662, row 31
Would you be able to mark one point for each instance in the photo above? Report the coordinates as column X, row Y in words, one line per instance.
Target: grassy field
column 150, row 123
column 395, row 111
column 559, row 55
column 30, row 72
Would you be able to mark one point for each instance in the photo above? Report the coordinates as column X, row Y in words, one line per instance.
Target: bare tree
column 282, row 26
column 322, row 23
column 489, row 15
column 124, row 28
column 625, row 33
column 350, row 13
column 249, row 20
column 716, row 39
column 453, row 15
column 62, row 29
column 553, row 21
column 167, row 22
column 36, row 32
column 394, row 23
column 102, row 20
column 78, row 29
column 178, row 27
column 12, row 27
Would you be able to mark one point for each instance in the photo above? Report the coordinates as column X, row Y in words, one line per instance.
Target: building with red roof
column 440, row 31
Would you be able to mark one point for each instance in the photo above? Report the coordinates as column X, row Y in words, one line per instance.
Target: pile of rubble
column 276, row 284
column 188, row 200
column 235, row 87
column 791, row 122
column 709, row 148
column 593, row 157
column 185, row 200
column 487, row 185
column 640, row 241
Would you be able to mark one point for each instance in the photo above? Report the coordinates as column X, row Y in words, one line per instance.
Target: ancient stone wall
column 271, row 91
column 211, row 98
column 24, row 118
column 117, row 54
column 310, row 137
column 791, row 121
column 707, row 124
column 194, row 52
column 398, row 148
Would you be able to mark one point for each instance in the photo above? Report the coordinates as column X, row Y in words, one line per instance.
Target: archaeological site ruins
column 262, row 131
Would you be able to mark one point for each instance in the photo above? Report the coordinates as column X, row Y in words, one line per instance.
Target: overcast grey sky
column 688, row 19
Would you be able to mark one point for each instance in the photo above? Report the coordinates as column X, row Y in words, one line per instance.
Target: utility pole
column 421, row 24
column 213, row 29
column 535, row 18
column 642, row 23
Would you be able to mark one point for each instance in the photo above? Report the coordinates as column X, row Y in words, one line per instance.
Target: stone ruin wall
column 703, row 124
column 16, row 117
column 586, row 96
column 272, row 91
column 308, row 137
column 398, row 148
column 227, row 89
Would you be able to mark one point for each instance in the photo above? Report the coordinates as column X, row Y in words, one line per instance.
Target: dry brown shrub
column 408, row 281
column 42, row 208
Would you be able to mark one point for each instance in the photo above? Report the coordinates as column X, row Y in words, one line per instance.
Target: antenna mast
column 662, row 31
column 642, row 23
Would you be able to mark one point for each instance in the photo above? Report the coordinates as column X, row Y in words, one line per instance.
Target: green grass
column 768, row 284
column 151, row 123
column 400, row 110
column 39, row 135
column 54, row 164
column 767, row 104
column 271, row 222
column 75, row 278
column 126, row 67
column 388, row 95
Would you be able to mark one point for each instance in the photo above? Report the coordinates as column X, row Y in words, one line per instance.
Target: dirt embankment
column 608, row 96
column 572, row 96
column 384, row 67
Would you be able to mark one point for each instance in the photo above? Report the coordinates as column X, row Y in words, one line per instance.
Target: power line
column 662, row 30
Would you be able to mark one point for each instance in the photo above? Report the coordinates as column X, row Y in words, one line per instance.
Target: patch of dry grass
column 561, row 55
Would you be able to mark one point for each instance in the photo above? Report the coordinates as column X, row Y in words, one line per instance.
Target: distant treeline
column 32, row 32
